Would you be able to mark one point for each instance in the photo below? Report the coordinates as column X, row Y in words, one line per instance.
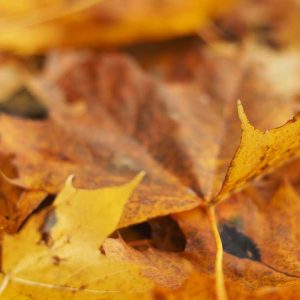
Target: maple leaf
column 176, row 168
column 71, row 265
column 42, row 165
column 260, row 152
column 203, row 163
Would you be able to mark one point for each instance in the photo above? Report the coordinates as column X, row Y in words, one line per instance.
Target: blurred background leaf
column 33, row 26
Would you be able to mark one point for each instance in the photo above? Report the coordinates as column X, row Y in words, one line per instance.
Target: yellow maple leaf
column 259, row 152
column 71, row 266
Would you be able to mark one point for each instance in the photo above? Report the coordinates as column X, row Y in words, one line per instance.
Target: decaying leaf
column 200, row 164
column 42, row 165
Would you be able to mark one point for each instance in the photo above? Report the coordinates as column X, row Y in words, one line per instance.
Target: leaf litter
column 215, row 216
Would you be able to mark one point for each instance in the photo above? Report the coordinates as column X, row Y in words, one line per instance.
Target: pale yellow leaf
column 70, row 265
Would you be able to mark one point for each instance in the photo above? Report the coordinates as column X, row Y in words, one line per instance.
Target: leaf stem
column 219, row 276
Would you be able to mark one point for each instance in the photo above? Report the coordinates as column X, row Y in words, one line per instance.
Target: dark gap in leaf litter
column 22, row 103
column 162, row 233
column 238, row 244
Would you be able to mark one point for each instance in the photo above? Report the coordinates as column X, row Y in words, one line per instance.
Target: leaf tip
column 69, row 181
column 242, row 115
column 136, row 180
column 7, row 179
column 139, row 177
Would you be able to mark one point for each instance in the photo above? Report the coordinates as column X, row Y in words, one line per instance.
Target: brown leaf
column 165, row 269
column 166, row 127
column 275, row 230
column 44, row 165
column 16, row 202
column 244, row 267
column 208, row 110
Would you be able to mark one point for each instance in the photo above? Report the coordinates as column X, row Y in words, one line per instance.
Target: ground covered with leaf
column 150, row 150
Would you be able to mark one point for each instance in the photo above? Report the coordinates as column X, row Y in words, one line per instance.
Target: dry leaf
column 259, row 238
column 16, row 202
column 170, row 109
column 274, row 217
column 201, row 164
column 86, row 127
column 168, row 270
column 260, row 152
column 44, row 166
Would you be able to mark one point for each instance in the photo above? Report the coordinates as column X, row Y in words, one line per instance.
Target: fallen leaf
column 200, row 164
column 244, row 268
column 72, row 266
column 261, row 256
column 16, row 202
column 165, row 269
column 47, row 24
column 168, row 108
column 42, row 165
column 274, row 217
column 260, row 152
column 199, row 286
